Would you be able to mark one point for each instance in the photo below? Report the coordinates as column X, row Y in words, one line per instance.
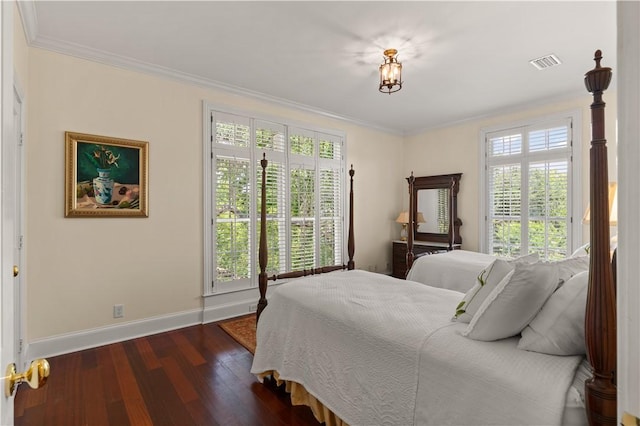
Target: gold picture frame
column 105, row 176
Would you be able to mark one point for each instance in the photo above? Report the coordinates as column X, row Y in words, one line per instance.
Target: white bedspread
column 454, row 270
column 377, row 350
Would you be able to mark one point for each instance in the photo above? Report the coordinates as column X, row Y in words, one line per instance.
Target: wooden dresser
column 419, row 247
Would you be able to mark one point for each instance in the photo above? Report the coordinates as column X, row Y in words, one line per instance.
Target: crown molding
column 96, row 55
column 29, row 19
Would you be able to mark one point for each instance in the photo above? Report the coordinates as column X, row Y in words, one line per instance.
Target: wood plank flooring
column 193, row 376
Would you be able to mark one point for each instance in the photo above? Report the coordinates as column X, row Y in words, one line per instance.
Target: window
column 305, row 180
column 528, row 184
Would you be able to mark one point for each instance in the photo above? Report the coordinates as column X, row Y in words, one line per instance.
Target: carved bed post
column 262, row 250
column 600, row 319
column 451, row 236
column 351, row 243
column 411, row 224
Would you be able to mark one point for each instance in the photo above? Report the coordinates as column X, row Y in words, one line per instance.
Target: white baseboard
column 92, row 338
column 222, row 306
column 216, row 308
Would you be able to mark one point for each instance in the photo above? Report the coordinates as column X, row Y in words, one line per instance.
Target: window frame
column 574, row 117
column 209, row 158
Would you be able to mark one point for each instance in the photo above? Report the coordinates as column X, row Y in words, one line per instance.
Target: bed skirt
column 300, row 396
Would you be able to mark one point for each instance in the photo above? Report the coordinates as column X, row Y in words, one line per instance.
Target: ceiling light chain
column 390, row 73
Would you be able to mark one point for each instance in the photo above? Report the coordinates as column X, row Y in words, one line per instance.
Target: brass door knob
column 35, row 376
column 16, row 271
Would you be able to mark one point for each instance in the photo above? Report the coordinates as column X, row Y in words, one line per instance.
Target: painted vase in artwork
column 103, row 186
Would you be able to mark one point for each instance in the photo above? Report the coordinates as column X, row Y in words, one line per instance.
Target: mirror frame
column 451, row 181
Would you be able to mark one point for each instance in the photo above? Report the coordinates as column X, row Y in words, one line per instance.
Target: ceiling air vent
column 547, row 61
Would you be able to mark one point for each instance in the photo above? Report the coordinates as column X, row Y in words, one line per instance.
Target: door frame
column 20, row 281
column 7, row 185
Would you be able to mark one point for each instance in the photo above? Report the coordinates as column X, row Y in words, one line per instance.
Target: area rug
column 243, row 330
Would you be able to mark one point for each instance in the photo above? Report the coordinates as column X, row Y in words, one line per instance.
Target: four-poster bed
column 376, row 323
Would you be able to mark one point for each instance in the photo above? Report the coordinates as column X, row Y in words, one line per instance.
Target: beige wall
column 457, row 148
column 78, row 268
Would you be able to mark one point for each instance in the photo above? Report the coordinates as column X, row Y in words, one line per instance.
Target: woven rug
column 243, row 330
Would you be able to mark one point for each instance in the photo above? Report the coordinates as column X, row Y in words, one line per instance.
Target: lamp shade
column 613, row 207
column 403, row 217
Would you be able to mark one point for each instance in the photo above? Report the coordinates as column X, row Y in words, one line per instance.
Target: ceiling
column 461, row 60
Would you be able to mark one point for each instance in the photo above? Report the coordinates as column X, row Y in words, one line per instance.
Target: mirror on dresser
column 435, row 203
column 436, row 197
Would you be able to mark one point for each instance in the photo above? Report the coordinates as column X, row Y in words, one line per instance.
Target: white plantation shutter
column 505, row 208
column 330, row 218
column 270, row 137
column 331, row 196
column 276, row 217
column 233, row 225
column 233, row 130
column 303, row 217
column 548, row 205
column 301, row 142
column 305, row 186
column 528, row 190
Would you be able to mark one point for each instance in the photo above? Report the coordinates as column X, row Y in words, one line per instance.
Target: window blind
column 305, row 188
column 528, row 190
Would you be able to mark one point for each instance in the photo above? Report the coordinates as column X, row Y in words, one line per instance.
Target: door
column 10, row 228
column 7, row 198
column 18, row 228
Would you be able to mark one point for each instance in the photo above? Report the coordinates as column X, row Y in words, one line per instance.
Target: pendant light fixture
column 390, row 72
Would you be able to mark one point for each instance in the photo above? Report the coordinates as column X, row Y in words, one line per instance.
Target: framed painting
column 105, row 177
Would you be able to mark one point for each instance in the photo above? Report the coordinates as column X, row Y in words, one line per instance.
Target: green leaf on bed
column 481, row 278
column 459, row 310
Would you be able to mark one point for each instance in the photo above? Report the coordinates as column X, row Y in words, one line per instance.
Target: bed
column 364, row 348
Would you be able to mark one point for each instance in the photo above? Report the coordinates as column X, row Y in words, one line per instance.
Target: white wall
column 80, row 267
column 456, row 149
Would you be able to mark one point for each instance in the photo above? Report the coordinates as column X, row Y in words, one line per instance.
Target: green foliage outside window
column 547, row 213
column 236, row 233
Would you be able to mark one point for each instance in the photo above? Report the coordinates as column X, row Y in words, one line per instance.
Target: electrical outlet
column 118, row 311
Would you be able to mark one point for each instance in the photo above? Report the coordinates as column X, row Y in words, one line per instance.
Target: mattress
column 378, row 350
column 454, row 270
column 574, row 409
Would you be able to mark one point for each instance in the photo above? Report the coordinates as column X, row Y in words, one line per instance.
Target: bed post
column 600, row 318
column 411, row 225
column 351, row 243
column 262, row 250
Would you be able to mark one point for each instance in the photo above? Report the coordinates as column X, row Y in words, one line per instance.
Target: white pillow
column 582, row 250
column 569, row 267
column 527, row 258
column 488, row 279
column 586, row 248
column 559, row 327
column 514, row 302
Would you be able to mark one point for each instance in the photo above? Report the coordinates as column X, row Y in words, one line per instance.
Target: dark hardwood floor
column 193, row 376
